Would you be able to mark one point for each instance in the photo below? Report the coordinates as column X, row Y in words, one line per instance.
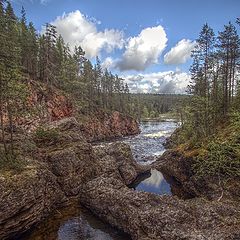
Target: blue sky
column 146, row 42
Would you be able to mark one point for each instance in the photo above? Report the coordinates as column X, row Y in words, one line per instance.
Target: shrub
column 46, row 136
column 219, row 159
column 13, row 163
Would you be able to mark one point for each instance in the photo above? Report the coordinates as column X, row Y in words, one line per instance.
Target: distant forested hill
column 152, row 105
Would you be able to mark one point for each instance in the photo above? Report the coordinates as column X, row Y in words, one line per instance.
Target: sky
column 146, row 42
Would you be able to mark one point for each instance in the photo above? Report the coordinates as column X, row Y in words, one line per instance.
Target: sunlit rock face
column 25, row 198
column 104, row 126
column 58, row 170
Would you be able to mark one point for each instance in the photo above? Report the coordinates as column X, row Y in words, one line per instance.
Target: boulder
column 178, row 167
column 26, row 198
column 146, row 216
column 117, row 157
column 72, row 166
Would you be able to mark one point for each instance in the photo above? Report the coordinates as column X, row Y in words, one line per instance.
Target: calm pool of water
column 73, row 223
column 156, row 183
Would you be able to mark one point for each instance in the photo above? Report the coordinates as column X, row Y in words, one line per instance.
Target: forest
column 27, row 56
column 215, row 85
column 211, row 117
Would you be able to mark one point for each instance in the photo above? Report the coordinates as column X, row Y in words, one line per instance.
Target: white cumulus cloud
column 108, row 63
column 77, row 29
column 159, row 82
column 180, row 53
column 143, row 50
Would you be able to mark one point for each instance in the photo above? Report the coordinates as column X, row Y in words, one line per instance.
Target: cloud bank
column 139, row 52
column 180, row 53
column 143, row 50
column 173, row 82
column 77, row 29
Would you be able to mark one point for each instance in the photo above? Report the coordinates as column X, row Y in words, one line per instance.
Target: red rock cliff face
column 105, row 126
column 53, row 104
column 49, row 105
column 43, row 106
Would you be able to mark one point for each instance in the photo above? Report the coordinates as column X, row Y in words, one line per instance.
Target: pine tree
column 87, row 79
column 33, row 51
column 98, row 72
column 229, row 53
column 24, row 41
column 202, row 78
column 79, row 57
column 3, row 55
column 48, row 42
column 11, row 88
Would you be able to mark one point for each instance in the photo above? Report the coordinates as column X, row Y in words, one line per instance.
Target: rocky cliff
column 26, row 198
column 178, row 165
column 47, row 105
column 65, row 165
column 105, row 126
column 60, row 165
column 146, row 216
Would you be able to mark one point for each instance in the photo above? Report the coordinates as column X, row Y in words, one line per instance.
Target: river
column 75, row 222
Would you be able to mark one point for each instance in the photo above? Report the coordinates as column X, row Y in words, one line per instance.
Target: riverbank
column 163, row 217
column 136, row 143
column 208, row 168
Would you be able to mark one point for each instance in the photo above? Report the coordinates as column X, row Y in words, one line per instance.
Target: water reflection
column 79, row 228
column 73, row 223
column 156, row 183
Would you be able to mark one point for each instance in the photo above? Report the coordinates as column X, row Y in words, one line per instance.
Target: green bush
column 46, row 135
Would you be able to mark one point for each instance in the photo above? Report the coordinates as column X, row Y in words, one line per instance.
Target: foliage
column 214, row 81
column 11, row 162
column 219, row 159
column 46, row 136
column 211, row 119
column 144, row 106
